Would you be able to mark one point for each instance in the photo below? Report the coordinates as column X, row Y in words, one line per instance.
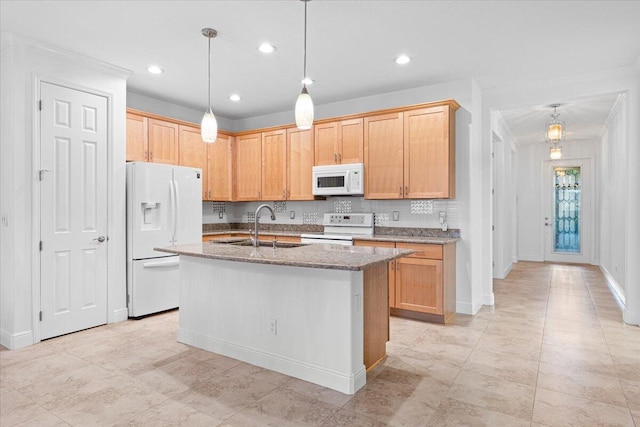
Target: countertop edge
column 433, row 240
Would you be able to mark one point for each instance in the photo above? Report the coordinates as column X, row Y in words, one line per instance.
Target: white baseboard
column 631, row 317
column 15, row 341
column 533, row 258
column 343, row 382
column 614, row 284
column 119, row 315
column 514, row 259
column 467, row 308
column 488, row 299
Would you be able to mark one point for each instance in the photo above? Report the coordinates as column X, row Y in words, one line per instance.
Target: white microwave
column 338, row 180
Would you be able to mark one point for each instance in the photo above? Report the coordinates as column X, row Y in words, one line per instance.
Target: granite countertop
column 336, row 257
column 404, row 238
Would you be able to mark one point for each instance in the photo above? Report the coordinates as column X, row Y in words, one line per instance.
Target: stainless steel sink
column 268, row 243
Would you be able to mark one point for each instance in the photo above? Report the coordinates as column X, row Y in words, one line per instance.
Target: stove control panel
column 348, row 219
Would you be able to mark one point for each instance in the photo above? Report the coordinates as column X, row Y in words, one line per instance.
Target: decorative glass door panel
column 567, row 209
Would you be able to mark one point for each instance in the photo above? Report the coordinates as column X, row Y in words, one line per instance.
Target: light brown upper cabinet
column 274, row 165
column 137, row 140
column 219, row 172
column 299, row 163
column 247, row 167
column 411, row 154
column 429, row 154
column 192, row 152
column 383, row 156
column 163, row 142
column 339, row 142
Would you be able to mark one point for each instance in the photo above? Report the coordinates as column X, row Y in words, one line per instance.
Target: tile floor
column 553, row 351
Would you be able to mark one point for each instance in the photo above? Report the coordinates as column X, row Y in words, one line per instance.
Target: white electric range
column 341, row 228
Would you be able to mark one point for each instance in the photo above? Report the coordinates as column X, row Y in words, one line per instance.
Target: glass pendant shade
column 209, row 127
column 304, row 110
column 555, row 153
column 555, row 131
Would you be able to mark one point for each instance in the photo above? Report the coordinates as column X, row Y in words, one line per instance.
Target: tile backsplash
column 409, row 213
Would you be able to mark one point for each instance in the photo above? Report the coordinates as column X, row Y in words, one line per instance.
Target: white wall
column 531, row 193
column 24, row 63
column 613, row 197
column 167, row 109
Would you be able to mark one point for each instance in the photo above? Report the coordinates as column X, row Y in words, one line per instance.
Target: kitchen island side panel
column 229, row 307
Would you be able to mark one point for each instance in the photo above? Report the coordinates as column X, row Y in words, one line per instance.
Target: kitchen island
column 318, row 312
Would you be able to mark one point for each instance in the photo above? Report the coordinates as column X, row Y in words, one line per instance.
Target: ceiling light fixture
column 209, row 125
column 304, row 104
column 555, row 152
column 234, row 97
column 266, row 48
column 154, row 69
column 555, row 134
column 403, row 59
column 555, row 128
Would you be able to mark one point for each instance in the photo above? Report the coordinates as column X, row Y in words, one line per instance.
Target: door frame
column 36, row 210
column 588, row 192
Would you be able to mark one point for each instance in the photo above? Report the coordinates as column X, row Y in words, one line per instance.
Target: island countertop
column 325, row 256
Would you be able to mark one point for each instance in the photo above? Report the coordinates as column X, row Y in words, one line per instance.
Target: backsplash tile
column 310, row 217
column 280, row 207
column 421, row 207
column 342, row 206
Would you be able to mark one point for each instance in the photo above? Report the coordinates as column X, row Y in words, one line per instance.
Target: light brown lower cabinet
column 422, row 286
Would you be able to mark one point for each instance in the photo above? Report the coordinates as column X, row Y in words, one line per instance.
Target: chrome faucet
column 256, row 242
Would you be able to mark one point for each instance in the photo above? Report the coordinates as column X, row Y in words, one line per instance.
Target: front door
column 567, row 211
column 73, row 210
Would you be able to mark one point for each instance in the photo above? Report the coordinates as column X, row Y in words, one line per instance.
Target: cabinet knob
column 339, row 157
column 406, row 190
column 335, row 158
column 400, row 192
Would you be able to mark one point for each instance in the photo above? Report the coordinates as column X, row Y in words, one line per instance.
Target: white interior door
column 567, row 210
column 73, row 210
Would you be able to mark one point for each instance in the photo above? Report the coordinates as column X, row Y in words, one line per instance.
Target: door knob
column 100, row 239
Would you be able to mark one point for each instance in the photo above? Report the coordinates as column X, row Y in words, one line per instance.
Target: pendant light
column 555, row 152
column 555, row 128
column 304, row 104
column 209, row 125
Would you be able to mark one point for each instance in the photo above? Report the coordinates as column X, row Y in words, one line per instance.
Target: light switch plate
column 220, row 214
column 396, row 216
column 292, row 214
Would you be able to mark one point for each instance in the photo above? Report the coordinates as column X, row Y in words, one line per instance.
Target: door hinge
column 493, row 228
column 40, row 245
column 127, row 299
column 40, row 105
column 493, row 191
column 40, row 316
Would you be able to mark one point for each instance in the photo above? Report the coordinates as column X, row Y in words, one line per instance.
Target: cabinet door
column 137, row 140
column 192, row 151
column 419, row 285
column 428, row 156
column 248, row 167
column 392, row 266
column 163, row 142
column 274, row 165
column 219, row 177
column 351, row 134
column 383, row 156
column 326, row 143
column 300, row 162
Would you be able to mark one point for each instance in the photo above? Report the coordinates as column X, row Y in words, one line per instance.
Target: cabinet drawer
column 375, row 243
column 423, row 251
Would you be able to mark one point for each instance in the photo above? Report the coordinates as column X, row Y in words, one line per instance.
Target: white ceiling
column 351, row 47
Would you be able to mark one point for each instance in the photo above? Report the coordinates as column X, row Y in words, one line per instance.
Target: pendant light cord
column 305, row 42
column 209, row 71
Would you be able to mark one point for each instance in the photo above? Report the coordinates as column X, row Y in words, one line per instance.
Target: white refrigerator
column 164, row 208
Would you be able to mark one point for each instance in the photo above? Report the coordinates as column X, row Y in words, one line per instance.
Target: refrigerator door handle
column 172, row 209
column 162, row 264
column 177, row 217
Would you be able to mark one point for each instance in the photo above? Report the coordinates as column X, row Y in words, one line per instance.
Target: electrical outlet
column 292, row 214
column 443, row 216
column 273, row 326
column 220, row 214
column 396, row 216
column 5, row 221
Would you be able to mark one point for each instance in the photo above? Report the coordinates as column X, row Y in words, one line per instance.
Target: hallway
column 553, row 351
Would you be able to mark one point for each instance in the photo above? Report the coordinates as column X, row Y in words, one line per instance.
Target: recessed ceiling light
column 234, row 97
column 154, row 69
column 307, row 81
column 266, row 48
column 402, row 59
